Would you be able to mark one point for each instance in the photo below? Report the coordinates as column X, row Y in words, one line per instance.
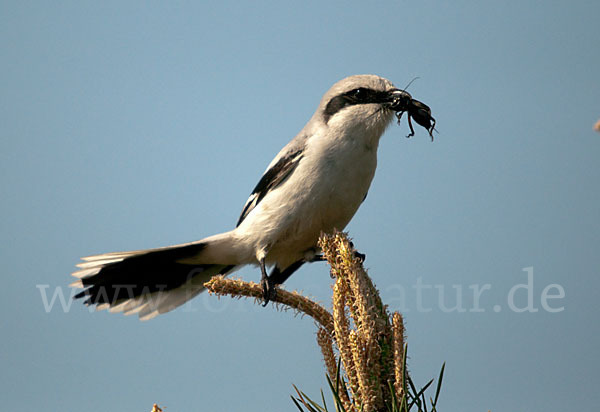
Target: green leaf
column 296, row 403
column 323, row 399
column 339, row 406
column 416, row 398
column 439, row 385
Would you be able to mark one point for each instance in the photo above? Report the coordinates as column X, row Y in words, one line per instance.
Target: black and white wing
column 280, row 169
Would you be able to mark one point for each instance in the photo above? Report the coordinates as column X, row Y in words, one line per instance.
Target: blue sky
column 127, row 126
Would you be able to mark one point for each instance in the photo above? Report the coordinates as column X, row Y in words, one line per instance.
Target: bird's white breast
column 323, row 193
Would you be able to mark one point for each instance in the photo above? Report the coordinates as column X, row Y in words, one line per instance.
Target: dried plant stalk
column 342, row 337
column 325, row 341
column 220, row 286
column 369, row 341
column 398, row 331
column 366, row 399
column 372, row 327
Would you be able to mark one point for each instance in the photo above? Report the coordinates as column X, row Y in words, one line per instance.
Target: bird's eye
column 359, row 93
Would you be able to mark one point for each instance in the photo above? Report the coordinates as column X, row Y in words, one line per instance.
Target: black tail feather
column 153, row 271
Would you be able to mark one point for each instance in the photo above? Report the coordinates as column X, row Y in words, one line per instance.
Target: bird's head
column 364, row 103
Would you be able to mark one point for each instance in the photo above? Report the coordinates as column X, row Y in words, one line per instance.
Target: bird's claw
column 357, row 254
column 269, row 292
column 360, row 256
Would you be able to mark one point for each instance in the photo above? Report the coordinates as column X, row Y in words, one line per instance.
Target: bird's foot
column 268, row 285
column 317, row 258
column 357, row 254
column 269, row 291
column 360, row 256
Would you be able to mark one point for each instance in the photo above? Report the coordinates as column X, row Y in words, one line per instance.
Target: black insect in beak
column 402, row 101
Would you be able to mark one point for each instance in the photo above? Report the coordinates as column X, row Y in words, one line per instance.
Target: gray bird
column 315, row 184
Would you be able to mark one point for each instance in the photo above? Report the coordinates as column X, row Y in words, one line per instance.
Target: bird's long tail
column 154, row 281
